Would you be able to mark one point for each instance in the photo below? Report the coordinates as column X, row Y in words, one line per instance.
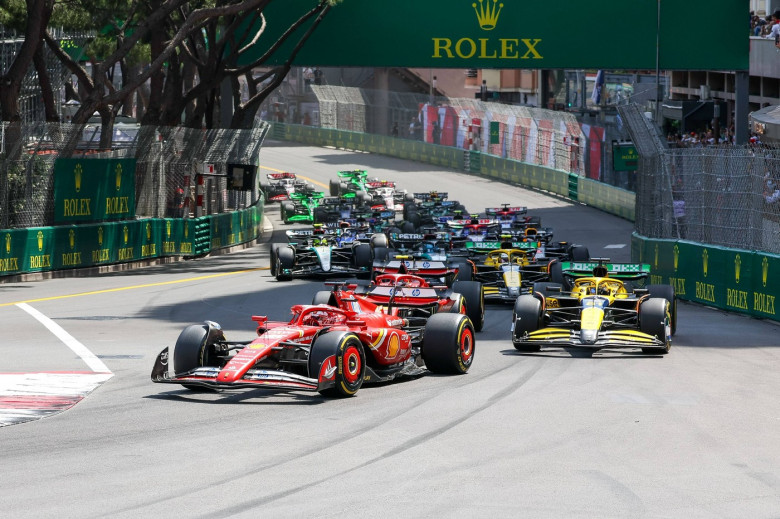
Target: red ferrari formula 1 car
column 322, row 348
column 407, row 296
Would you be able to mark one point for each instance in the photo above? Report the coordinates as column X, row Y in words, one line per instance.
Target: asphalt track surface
column 556, row 434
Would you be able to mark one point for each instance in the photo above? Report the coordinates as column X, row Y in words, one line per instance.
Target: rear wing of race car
column 432, row 196
column 417, row 237
column 335, row 200
column 380, row 183
column 505, row 209
column 311, row 195
column 280, row 176
column 622, row 271
column 297, row 235
column 483, row 247
column 457, row 224
column 359, row 174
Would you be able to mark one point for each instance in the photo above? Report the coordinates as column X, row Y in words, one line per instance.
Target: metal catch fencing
column 719, row 195
column 169, row 163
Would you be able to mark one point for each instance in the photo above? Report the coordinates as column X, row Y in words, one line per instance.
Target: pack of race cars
column 415, row 273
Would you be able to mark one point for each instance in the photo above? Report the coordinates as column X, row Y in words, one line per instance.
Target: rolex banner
column 508, row 34
column 732, row 279
column 88, row 190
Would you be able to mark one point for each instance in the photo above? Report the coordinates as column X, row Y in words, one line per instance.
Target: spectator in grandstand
column 436, row 132
column 774, row 30
column 394, row 131
column 756, row 24
column 771, row 188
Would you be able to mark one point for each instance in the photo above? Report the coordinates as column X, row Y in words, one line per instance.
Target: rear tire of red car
column 350, row 362
column 448, row 344
column 474, row 294
column 653, row 318
column 285, row 259
column 527, row 316
column 194, row 349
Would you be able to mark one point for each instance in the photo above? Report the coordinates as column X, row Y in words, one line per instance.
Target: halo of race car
column 416, row 271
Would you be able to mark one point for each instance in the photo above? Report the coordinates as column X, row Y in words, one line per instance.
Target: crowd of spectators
column 766, row 27
column 702, row 138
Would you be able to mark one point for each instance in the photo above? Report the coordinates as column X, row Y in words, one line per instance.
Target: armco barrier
column 42, row 249
column 732, row 279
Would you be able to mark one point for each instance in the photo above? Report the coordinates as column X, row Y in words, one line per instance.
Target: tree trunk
column 50, row 110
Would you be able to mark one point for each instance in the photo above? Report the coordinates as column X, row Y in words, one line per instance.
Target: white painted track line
column 94, row 363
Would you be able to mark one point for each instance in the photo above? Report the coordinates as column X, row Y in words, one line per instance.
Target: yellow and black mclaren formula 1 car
column 507, row 273
column 599, row 312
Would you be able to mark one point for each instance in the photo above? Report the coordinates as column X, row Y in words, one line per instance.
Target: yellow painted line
column 132, row 287
column 297, row 175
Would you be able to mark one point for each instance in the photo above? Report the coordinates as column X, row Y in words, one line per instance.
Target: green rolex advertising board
column 505, row 34
column 624, row 157
column 88, row 190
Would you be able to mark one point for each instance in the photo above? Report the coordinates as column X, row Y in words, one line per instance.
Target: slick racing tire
column 527, row 317
column 288, row 210
column 556, row 276
column 448, row 344
column 579, row 253
column 415, row 219
column 361, row 197
column 474, row 294
column 274, row 252
column 320, row 215
column 363, row 258
column 407, row 227
column 666, row 292
column 381, row 253
column 334, row 187
column 195, row 348
column 465, row 272
column 653, row 320
column 379, row 240
column 350, row 362
column 409, row 207
column 285, row 259
column 322, row 297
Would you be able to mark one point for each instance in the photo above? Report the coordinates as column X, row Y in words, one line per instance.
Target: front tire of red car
column 195, row 348
column 350, row 362
column 448, row 344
